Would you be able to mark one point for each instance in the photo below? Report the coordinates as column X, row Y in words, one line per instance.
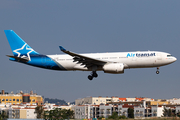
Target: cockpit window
column 169, row 55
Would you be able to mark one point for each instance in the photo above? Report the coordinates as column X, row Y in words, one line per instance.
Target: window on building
column 17, row 100
column 6, row 99
column 33, row 100
column 3, row 100
column 10, row 100
column 20, row 99
column 14, row 100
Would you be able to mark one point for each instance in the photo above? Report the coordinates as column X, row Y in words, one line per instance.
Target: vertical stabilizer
column 18, row 46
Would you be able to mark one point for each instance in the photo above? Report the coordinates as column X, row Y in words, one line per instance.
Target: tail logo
column 24, row 51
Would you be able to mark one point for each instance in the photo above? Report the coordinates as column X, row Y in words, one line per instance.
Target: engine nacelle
column 115, row 68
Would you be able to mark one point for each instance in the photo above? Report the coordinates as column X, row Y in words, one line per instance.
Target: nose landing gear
column 93, row 74
column 157, row 72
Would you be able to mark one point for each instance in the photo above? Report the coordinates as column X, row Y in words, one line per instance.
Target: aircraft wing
column 83, row 60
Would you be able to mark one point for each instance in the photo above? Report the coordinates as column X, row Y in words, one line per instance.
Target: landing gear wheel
column 157, row 72
column 94, row 74
column 90, row 77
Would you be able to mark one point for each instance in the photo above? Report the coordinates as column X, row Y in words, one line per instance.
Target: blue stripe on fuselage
column 43, row 61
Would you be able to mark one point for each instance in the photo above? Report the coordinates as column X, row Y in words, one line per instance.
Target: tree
column 45, row 115
column 113, row 116
column 39, row 110
column 122, row 117
column 178, row 114
column 59, row 114
column 3, row 115
column 70, row 114
column 165, row 112
column 130, row 113
column 168, row 113
column 55, row 114
column 100, row 117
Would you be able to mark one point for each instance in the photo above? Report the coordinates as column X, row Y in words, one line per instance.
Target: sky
column 92, row 26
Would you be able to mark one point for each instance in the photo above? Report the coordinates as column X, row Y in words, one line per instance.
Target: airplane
column 114, row 62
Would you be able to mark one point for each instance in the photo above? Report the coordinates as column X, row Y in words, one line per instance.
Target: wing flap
column 83, row 60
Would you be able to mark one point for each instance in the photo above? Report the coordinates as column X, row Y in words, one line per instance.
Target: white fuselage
column 143, row 59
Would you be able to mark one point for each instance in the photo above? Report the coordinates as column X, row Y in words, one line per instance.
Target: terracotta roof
column 122, row 99
column 140, row 99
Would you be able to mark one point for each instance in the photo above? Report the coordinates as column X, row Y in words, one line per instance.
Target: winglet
column 62, row 49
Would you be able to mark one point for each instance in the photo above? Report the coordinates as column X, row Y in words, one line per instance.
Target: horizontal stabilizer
column 17, row 58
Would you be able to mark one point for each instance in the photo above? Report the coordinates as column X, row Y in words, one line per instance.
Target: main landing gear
column 157, row 72
column 93, row 74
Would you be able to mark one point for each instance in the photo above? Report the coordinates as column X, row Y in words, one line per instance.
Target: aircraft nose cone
column 175, row 59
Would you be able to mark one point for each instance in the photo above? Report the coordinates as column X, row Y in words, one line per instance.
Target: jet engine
column 115, row 68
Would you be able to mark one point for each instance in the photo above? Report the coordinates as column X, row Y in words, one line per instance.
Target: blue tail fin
column 19, row 47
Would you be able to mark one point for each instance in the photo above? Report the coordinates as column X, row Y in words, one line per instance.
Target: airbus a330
column 115, row 62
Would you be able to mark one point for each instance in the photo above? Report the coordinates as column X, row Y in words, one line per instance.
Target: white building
column 82, row 112
column 96, row 111
column 157, row 111
column 174, row 101
column 105, row 110
column 122, row 110
column 105, row 100
column 177, row 109
column 139, row 112
column 30, row 113
column 21, row 113
column 93, row 101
